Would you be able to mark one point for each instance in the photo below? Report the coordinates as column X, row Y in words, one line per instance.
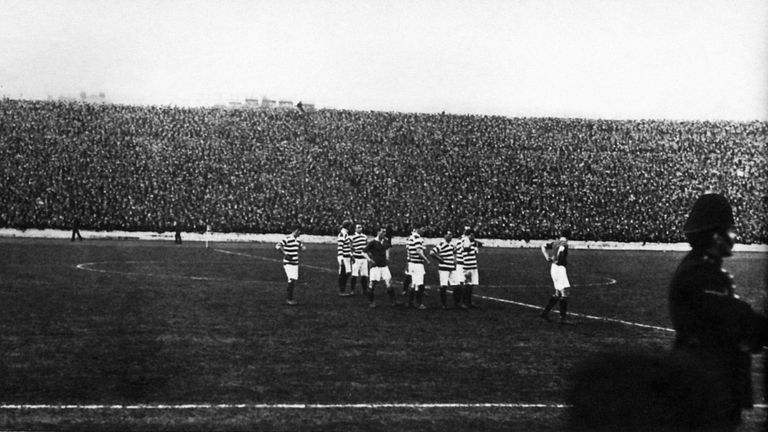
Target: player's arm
column 366, row 252
column 544, row 248
column 424, row 257
column 434, row 253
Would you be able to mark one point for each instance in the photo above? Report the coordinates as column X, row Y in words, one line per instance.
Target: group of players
column 368, row 262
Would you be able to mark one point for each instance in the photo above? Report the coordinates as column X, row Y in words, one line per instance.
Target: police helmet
column 711, row 212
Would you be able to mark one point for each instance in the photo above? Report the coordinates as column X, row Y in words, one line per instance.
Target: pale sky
column 689, row 59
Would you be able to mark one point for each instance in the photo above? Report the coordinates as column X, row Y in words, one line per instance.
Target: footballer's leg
column 370, row 292
column 406, row 284
column 550, row 304
column 564, row 306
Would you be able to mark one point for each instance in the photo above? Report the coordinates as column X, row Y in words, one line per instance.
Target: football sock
column 443, row 290
column 370, row 293
column 457, row 294
column 390, row 293
column 406, row 283
column 420, row 294
column 353, row 284
column 289, row 293
column 411, row 293
column 343, row 281
column 468, row 295
column 563, row 307
column 552, row 302
column 364, row 283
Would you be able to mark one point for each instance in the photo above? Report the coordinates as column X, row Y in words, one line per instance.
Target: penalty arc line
column 593, row 317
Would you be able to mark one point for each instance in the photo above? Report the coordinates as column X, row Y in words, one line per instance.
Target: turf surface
column 143, row 324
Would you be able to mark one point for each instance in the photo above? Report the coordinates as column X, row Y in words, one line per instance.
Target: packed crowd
column 142, row 168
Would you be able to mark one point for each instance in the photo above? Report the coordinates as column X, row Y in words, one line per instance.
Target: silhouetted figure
column 177, row 230
column 76, row 229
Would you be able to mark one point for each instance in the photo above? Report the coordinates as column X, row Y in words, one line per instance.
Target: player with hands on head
column 557, row 270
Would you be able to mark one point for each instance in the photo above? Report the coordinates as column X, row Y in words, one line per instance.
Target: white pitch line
column 295, row 406
column 613, row 320
column 323, row 269
column 611, row 281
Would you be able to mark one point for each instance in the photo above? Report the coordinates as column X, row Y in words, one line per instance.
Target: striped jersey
column 470, row 253
column 559, row 249
column 358, row 241
column 343, row 244
column 413, row 245
column 446, row 254
column 291, row 247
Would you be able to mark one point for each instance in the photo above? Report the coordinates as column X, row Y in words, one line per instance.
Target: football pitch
column 132, row 335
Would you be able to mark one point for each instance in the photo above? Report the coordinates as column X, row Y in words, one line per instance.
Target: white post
column 207, row 234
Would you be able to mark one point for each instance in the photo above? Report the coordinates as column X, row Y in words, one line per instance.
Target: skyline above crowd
column 687, row 60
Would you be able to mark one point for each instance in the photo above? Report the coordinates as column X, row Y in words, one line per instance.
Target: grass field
column 151, row 335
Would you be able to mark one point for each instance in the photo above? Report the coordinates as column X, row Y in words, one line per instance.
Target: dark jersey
column 559, row 251
column 378, row 251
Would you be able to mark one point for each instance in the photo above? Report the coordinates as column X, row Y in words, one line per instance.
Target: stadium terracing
column 141, row 168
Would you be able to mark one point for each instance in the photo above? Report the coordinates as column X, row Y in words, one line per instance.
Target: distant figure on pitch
column 177, row 231
column 359, row 260
column 344, row 257
column 469, row 247
column 377, row 252
column 290, row 247
column 445, row 254
column 76, row 229
column 559, row 260
column 416, row 260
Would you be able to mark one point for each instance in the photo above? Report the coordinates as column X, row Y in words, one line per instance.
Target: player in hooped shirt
column 359, row 260
column 469, row 246
column 416, row 260
column 344, row 257
column 290, row 246
column 445, row 254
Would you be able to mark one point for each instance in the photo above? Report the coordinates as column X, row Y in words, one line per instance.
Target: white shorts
column 559, row 278
column 457, row 276
column 417, row 274
column 360, row 267
column 446, row 277
column 471, row 277
column 344, row 263
column 380, row 274
column 292, row 271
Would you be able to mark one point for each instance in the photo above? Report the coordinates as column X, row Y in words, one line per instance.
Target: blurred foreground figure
column 706, row 380
column 713, row 326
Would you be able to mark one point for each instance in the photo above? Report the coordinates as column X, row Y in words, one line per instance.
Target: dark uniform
column 714, row 329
